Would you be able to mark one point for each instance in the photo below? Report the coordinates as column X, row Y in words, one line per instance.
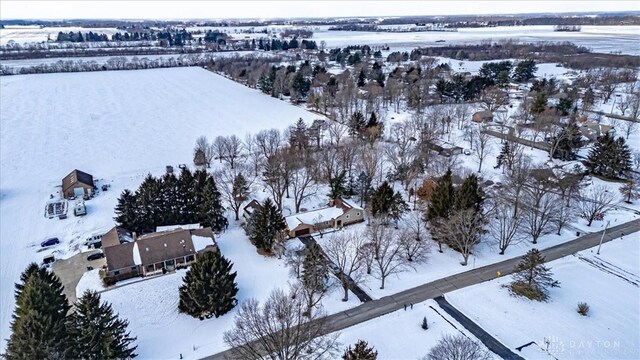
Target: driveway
column 71, row 270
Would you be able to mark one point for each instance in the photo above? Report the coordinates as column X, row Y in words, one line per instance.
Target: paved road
column 388, row 304
column 489, row 341
column 355, row 289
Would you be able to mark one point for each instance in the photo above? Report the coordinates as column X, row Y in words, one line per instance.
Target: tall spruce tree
column 39, row 326
column 470, row 195
column 266, row 226
column 360, row 351
column 337, row 185
column 362, row 79
column 186, row 197
column 569, row 140
column 532, row 278
column 442, row 198
column 387, row 204
column 609, row 157
column 211, row 212
column 126, row 210
column 357, row 123
column 97, row 332
column 209, row 287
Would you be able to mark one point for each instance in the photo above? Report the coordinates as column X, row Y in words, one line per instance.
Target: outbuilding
column 77, row 184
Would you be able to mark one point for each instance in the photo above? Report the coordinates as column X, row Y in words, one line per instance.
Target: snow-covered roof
column 176, row 227
column 312, row 217
column 201, row 242
column 351, row 204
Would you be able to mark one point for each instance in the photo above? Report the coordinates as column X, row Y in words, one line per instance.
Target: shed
column 77, row 183
column 482, row 116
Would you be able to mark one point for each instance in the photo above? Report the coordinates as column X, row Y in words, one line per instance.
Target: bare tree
column 492, row 98
column 275, row 179
column 343, row 248
column 417, row 225
column 414, row 249
column 503, row 226
column 232, row 150
column 457, row 347
column 203, row 152
column 594, row 203
column 314, row 283
column 385, row 251
column 219, row 145
column 462, row 231
column 629, row 127
column 294, row 257
column 254, row 154
column 337, row 132
column 302, row 180
column 234, row 187
column 540, row 208
column 279, row 330
column 269, row 142
column 515, row 180
column 481, row 146
column 566, row 214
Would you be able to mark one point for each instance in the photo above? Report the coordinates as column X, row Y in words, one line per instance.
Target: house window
column 133, row 268
column 190, row 258
column 117, row 272
column 347, row 216
column 358, row 213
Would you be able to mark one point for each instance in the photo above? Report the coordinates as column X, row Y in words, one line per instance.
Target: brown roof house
column 77, row 184
column 482, row 116
column 339, row 213
column 155, row 253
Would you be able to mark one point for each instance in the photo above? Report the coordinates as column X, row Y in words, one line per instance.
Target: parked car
column 95, row 256
column 47, row 260
column 467, row 152
column 50, row 242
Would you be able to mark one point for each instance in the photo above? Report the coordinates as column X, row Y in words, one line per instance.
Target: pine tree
column 361, row 351
column 387, row 204
column 532, row 278
column 126, row 210
column 442, row 198
column 504, row 156
column 97, row 332
column 209, row 287
column 39, row 326
column 361, row 79
column 425, row 324
column 469, row 195
column 539, row 103
column 186, row 197
column 315, row 268
column 298, row 135
column 267, row 226
column 568, row 142
column 337, row 185
column 210, row 210
column 609, row 157
column 357, row 123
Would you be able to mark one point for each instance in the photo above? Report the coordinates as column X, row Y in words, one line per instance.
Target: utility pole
column 602, row 237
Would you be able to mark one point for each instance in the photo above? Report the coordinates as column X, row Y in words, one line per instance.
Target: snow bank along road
column 388, row 304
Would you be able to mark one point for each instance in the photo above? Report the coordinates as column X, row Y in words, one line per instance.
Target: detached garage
column 77, row 184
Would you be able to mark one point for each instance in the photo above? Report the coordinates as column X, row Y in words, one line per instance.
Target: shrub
column 583, row 308
column 424, row 325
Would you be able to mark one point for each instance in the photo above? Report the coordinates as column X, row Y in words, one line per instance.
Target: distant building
column 482, row 116
column 77, row 184
column 443, row 148
column 339, row 213
column 129, row 256
column 253, row 205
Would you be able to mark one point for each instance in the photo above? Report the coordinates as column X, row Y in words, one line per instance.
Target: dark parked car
column 96, row 256
column 50, row 242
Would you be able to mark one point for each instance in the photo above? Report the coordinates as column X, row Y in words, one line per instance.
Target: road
column 489, row 341
column 376, row 308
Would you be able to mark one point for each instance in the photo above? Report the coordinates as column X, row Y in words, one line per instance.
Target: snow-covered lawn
column 399, row 335
column 151, row 306
column 611, row 329
column 117, row 126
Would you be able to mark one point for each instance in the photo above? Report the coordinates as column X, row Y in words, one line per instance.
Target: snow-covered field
column 623, row 39
column 399, row 336
column 116, row 125
column 610, row 331
column 25, row 34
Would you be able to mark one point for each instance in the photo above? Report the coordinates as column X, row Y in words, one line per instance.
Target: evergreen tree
column 539, row 103
column 425, row 324
column 209, row 287
column 126, row 210
column 299, row 135
column 442, row 198
column 609, row 157
column 267, row 226
column 315, row 268
column 97, row 332
column 387, row 204
column 211, row 212
column 361, row 351
column 568, row 142
column 357, row 123
column 337, row 185
column 362, row 79
column 504, row 156
column 469, row 195
column 39, row 326
column 532, row 278
column 525, row 70
column 186, row 197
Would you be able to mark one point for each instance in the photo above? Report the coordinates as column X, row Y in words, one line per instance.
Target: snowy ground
column 27, row 34
column 605, row 39
column 399, row 336
column 116, row 125
column 611, row 329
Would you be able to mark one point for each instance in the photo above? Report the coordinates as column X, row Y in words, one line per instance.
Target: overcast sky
column 135, row 9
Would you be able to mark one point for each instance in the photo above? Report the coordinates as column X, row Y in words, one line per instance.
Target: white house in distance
column 339, row 213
